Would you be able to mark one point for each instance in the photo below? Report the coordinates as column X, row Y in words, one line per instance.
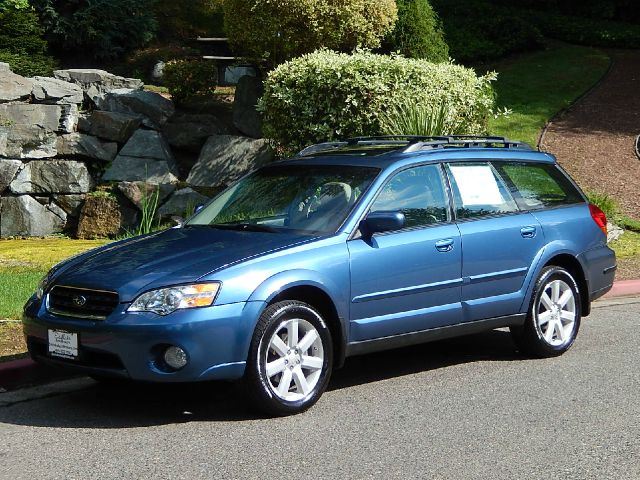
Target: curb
column 623, row 288
column 24, row 372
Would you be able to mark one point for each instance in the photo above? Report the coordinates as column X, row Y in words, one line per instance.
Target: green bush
column 186, row 79
column 418, row 32
column 478, row 31
column 140, row 63
column 326, row 95
column 270, row 32
column 97, row 29
column 21, row 42
column 421, row 120
column 604, row 202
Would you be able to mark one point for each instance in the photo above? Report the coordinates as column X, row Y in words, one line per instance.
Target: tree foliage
column 21, row 42
column 418, row 32
column 271, row 32
column 97, row 29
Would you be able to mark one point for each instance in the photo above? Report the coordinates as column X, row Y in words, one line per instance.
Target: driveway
column 460, row 409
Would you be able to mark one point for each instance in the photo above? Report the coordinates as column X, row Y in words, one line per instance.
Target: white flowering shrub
column 325, row 95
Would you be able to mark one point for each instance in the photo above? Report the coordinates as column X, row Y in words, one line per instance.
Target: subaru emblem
column 79, row 300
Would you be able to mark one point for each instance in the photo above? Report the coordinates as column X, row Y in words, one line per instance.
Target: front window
column 308, row 199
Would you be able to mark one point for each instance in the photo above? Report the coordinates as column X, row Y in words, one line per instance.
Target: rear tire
column 554, row 315
column 290, row 359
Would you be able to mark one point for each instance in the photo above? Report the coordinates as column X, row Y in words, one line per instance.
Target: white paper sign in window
column 477, row 185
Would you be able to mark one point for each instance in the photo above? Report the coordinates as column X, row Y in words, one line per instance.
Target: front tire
column 553, row 319
column 290, row 359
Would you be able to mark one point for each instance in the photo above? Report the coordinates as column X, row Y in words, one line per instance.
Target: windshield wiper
column 245, row 227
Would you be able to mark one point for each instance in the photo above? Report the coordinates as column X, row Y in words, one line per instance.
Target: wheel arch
column 324, row 304
column 573, row 266
column 317, row 290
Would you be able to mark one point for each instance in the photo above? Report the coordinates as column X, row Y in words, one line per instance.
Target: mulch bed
column 595, row 139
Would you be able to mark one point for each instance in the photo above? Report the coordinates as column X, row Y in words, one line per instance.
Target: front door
column 408, row 280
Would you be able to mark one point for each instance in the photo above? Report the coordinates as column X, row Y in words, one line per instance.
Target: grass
column 24, row 262
column 537, row 86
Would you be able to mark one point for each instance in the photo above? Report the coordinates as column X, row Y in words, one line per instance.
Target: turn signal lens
column 599, row 217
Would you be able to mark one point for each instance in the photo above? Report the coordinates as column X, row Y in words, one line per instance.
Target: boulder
column 182, row 203
column 8, row 170
column 136, row 191
column 153, row 107
column 71, row 204
column 84, row 123
column 133, row 169
column 31, row 115
column 190, row 131
column 53, row 176
column 147, row 144
column 21, row 141
column 96, row 83
column 83, row 145
column 117, row 127
column 246, row 117
column 24, row 216
column 614, row 232
column 157, row 73
column 13, row 87
column 53, row 90
column 100, row 217
column 145, row 157
column 69, row 119
column 225, row 158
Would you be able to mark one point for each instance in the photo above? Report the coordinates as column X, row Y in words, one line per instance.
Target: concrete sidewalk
column 17, row 373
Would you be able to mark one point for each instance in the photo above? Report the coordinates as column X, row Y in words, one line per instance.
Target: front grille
column 81, row 303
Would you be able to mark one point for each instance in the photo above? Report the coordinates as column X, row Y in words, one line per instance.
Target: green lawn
column 536, row 86
column 24, row 262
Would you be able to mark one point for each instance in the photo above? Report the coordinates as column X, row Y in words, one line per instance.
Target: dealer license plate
column 63, row 344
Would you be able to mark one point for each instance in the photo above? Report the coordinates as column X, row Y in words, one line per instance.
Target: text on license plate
column 63, row 344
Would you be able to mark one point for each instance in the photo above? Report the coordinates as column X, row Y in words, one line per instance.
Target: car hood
column 171, row 257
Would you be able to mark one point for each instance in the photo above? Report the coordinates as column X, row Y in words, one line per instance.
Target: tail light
column 599, row 217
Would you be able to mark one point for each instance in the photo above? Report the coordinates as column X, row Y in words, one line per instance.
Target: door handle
column 528, row 232
column 445, row 245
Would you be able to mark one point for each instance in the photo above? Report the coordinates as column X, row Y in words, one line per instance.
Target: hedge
column 326, row 95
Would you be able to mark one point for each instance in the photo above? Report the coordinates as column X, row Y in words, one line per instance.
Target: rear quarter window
column 538, row 186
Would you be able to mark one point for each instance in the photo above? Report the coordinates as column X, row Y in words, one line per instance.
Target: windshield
column 313, row 199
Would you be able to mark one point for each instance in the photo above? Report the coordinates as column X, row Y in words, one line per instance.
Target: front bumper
column 130, row 345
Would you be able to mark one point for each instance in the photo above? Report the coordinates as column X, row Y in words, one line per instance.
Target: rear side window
column 539, row 185
column 478, row 190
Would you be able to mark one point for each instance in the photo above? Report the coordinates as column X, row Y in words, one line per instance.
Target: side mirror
column 198, row 208
column 177, row 220
column 383, row 221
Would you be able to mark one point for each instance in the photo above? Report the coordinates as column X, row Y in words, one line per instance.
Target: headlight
column 166, row 300
column 43, row 284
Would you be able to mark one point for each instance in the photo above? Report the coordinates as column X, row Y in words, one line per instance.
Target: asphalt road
column 464, row 408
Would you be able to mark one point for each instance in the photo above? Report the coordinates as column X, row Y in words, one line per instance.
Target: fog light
column 175, row 357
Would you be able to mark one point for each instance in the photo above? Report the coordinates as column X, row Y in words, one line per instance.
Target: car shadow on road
column 127, row 405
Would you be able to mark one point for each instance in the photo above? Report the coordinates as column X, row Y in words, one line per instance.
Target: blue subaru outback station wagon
column 348, row 248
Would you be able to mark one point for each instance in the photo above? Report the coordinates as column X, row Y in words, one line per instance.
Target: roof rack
column 414, row 143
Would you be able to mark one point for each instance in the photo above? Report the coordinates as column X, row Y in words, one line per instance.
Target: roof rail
column 414, row 143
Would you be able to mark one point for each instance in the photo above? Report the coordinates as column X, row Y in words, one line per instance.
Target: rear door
column 499, row 241
column 408, row 280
